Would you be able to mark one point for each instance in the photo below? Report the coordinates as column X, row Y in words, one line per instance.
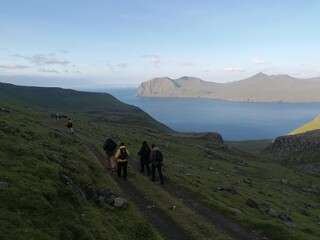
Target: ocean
column 233, row 120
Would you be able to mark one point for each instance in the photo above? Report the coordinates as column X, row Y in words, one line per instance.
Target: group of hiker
column 117, row 158
column 68, row 123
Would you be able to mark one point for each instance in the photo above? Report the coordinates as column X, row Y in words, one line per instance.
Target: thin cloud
column 117, row 68
column 47, row 70
column 234, row 69
column 122, row 65
column 154, row 59
column 259, row 61
column 42, row 59
column 187, row 64
column 13, row 66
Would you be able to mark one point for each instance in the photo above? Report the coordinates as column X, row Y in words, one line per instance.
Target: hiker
column 144, row 157
column 122, row 156
column 69, row 125
column 110, row 148
column 156, row 159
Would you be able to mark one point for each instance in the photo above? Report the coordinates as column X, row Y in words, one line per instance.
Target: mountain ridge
column 257, row 88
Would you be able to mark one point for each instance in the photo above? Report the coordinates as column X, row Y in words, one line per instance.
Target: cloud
column 47, row 70
column 42, row 59
column 122, row 65
column 234, row 69
column 259, row 61
column 13, row 66
column 117, row 68
column 154, row 59
column 188, row 64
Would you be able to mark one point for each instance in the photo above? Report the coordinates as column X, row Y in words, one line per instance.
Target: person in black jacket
column 144, row 157
column 110, row 148
column 156, row 159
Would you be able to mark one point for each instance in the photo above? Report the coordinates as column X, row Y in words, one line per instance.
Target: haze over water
column 234, row 121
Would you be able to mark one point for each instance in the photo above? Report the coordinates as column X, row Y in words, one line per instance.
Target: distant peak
column 185, row 78
column 261, row 74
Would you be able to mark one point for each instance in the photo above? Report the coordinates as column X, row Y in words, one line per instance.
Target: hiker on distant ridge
column 110, row 148
column 122, row 156
column 144, row 157
column 69, row 125
column 156, row 159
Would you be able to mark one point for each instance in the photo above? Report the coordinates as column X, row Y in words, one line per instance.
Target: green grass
column 36, row 150
column 37, row 204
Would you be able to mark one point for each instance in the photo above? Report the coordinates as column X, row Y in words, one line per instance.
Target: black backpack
column 123, row 153
column 157, row 156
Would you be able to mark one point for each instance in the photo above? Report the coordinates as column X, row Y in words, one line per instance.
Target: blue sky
column 99, row 43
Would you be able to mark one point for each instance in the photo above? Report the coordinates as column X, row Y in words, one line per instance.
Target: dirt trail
column 165, row 225
column 167, row 228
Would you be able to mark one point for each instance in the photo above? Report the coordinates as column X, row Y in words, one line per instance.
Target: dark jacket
column 110, row 146
column 144, row 152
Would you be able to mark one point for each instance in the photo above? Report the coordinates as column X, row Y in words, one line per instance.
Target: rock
column 91, row 192
column 105, row 205
column 211, row 168
column 173, row 207
column 248, row 181
column 251, row 203
column 120, row 202
column 228, row 189
column 287, row 220
column 300, row 149
column 272, row 212
column 110, row 200
column 4, row 185
column 236, row 210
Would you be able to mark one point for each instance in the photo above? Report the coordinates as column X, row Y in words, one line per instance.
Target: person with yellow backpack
column 122, row 156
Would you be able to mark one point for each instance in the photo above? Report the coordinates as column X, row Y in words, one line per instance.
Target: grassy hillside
column 35, row 203
column 36, row 151
column 312, row 125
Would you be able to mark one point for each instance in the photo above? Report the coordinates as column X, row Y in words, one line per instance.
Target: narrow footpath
column 168, row 228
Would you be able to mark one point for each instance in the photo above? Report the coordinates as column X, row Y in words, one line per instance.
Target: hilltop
column 53, row 184
column 258, row 88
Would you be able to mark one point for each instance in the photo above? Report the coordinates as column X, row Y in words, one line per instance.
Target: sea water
column 233, row 120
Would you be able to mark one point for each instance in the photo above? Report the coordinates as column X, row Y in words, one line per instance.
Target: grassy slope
column 188, row 163
column 251, row 146
column 313, row 125
column 188, row 166
column 37, row 204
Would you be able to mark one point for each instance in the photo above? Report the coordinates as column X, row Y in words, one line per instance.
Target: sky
column 103, row 43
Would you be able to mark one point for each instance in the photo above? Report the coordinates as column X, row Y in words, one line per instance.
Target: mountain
column 258, row 88
column 312, row 125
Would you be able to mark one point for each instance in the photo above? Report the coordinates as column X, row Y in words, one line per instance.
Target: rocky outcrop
column 301, row 150
column 212, row 137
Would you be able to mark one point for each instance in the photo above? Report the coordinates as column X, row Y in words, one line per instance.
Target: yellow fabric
column 118, row 154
